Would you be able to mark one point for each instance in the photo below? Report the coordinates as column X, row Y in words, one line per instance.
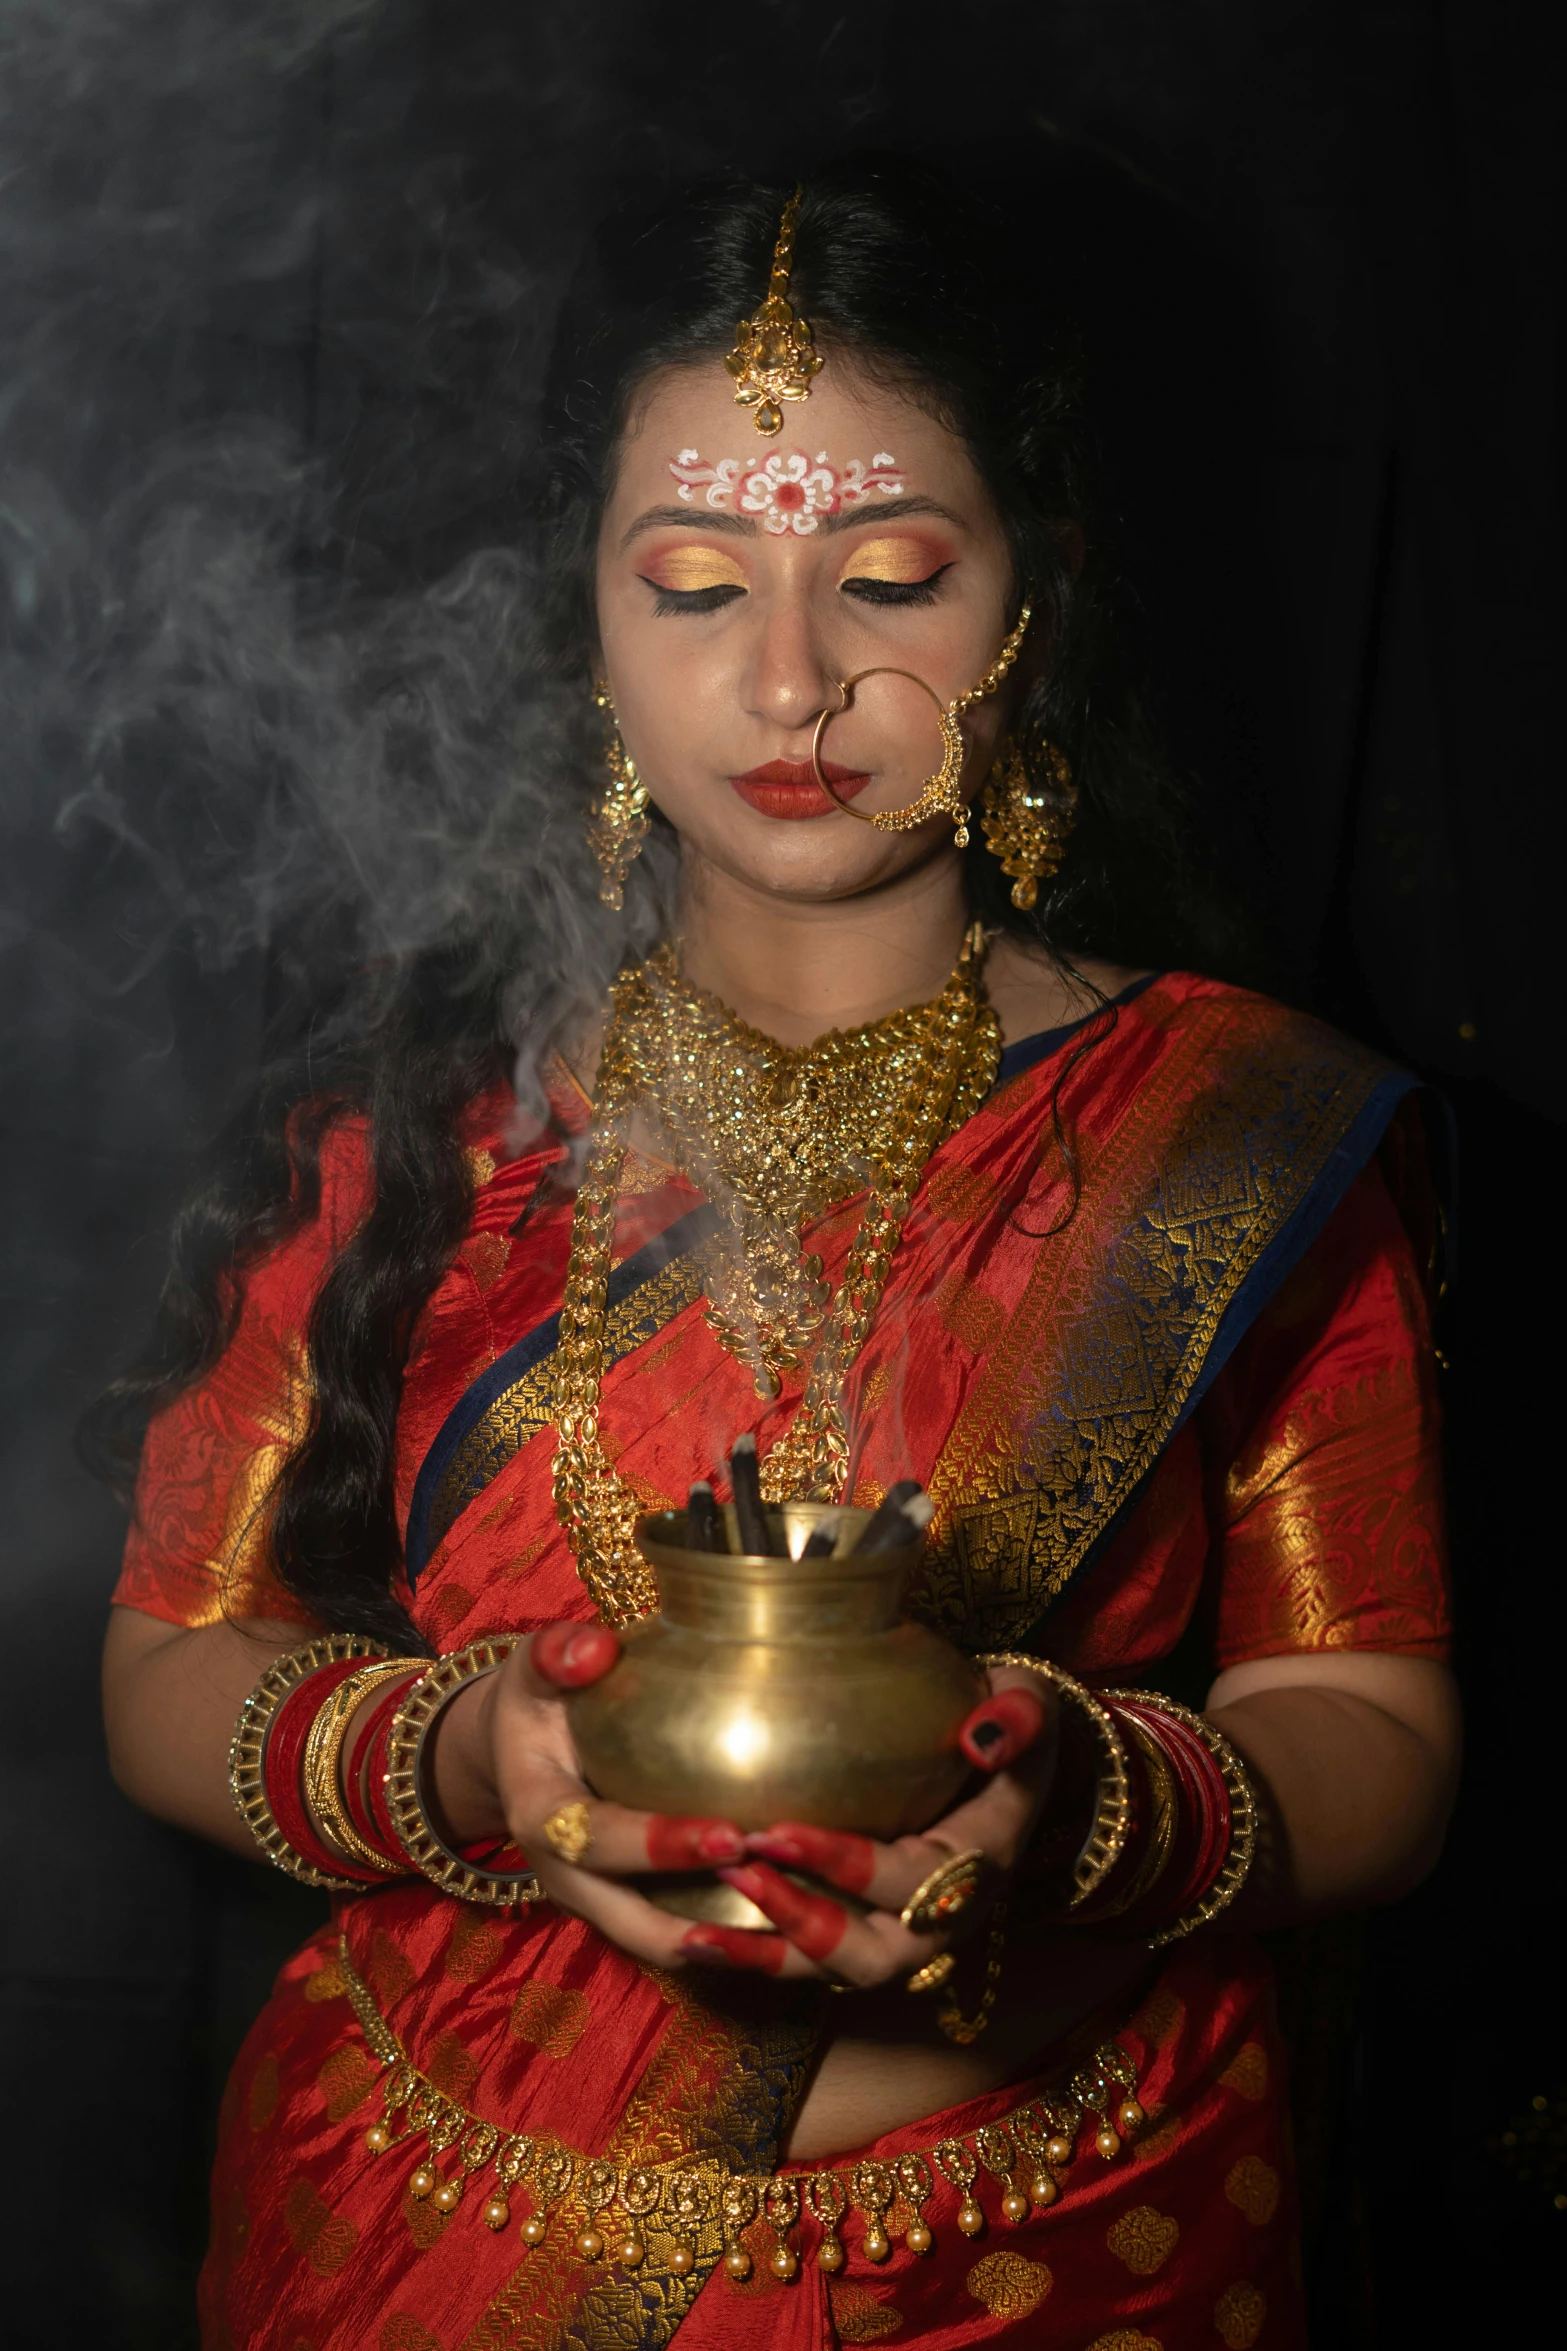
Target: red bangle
column 365, row 1770
column 281, row 1758
column 1213, row 1845
column 1121, row 1891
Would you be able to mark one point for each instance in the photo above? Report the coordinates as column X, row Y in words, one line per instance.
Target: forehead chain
column 775, row 355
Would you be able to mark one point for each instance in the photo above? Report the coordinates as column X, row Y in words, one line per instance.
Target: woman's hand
column 1011, row 1735
column 504, row 1754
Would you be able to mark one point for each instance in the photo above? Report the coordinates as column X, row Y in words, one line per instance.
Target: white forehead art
column 789, row 493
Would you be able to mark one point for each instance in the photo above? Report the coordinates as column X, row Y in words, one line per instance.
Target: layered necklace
column 774, row 1136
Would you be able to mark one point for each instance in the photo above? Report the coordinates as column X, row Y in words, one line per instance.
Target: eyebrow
column 891, row 510
column 659, row 518
column 704, row 518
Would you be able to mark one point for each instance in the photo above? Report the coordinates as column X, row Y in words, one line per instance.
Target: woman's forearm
column 1354, row 1762
column 171, row 1697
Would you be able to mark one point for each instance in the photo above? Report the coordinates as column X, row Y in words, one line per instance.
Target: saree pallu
column 1181, row 1393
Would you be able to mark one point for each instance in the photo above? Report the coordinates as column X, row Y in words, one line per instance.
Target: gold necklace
column 774, row 1135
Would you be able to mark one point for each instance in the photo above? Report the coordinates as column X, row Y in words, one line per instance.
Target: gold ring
column 933, row 1974
column 947, row 1890
column 569, row 1832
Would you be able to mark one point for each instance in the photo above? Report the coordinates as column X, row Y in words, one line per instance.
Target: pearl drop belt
column 674, row 2211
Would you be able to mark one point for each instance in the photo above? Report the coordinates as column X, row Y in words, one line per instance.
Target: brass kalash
column 777, row 1681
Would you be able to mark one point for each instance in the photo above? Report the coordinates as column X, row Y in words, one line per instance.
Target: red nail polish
column 783, row 1849
column 745, row 1881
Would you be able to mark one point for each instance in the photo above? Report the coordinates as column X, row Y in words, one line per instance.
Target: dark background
column 1315, row 250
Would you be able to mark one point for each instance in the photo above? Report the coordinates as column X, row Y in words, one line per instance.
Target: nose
column 790, row 679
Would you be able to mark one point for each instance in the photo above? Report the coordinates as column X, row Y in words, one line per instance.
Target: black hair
column 926, row 288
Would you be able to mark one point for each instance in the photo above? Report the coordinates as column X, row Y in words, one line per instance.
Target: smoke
column 269, row 673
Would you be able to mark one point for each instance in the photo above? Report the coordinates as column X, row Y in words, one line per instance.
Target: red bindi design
column 789, row 493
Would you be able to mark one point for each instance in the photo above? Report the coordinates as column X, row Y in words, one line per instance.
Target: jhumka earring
column 618, row 819
column 1028, row 827
column 775, row 357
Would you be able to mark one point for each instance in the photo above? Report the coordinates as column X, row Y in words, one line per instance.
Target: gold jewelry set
column 664, row 2213
column 771, row 1134
column 1029, row 801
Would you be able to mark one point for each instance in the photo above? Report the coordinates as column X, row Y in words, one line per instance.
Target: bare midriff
column 888, row 2064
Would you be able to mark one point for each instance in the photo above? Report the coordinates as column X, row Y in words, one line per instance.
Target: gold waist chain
column 774, row 1136
column 675, row 2214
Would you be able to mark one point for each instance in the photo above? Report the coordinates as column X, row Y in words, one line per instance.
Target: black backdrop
column 1315, row 250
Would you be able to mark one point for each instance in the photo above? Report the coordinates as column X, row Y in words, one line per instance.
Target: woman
column 1125, row 1266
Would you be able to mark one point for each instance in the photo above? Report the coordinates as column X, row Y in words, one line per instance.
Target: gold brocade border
column 659, row 2227
column 1086, row 1384
column 521, row 1411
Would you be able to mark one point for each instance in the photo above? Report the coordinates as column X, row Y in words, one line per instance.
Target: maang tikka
column 775, row 355
column 618, row 819
column 1028, row 820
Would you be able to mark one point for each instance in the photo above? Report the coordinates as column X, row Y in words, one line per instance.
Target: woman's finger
column 858, row 1951
column 1002, row 1727
column 561, row 1657
column 610, row 1840
column 996, row 1821
column 618, row 1912
column 747, row 1949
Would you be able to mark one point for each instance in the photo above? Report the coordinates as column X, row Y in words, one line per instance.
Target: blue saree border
column 504, row 1373
column 1347, row 1160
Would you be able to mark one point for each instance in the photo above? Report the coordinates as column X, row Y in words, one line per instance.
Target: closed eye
column 670, row 600
column 874, row 591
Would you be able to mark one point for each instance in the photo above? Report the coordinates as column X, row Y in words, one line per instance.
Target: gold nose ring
column 940, row 794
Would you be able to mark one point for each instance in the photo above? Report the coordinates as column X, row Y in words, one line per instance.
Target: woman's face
column 740, row 578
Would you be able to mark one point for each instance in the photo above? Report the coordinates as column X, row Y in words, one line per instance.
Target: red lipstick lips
column 787, row 788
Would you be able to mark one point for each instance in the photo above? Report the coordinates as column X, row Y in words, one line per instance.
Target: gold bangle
column 248, row 1752
column 1243, row 1813
column 1164, row 1804
column 320, row 1773
column 1111, row 1825
column 404, row 1801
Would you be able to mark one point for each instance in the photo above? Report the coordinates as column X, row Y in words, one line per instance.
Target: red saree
column 1200, row 1401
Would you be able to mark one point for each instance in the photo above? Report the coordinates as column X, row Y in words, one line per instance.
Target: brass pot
column 774, row 1689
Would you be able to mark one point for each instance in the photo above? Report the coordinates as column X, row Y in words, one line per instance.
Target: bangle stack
column 325, row 1769
column 1172, row 1821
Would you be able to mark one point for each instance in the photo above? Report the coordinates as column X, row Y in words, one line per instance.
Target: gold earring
column 618, row 819
column 1026, row 827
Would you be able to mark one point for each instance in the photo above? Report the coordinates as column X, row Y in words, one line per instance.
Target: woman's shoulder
column 1241, row 1025
column 1229, row 1037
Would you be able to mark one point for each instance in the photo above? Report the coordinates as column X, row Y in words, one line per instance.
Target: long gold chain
column 944, row 1074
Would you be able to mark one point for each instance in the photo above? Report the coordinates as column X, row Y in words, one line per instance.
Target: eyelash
column 895, row 591
column 670, row 601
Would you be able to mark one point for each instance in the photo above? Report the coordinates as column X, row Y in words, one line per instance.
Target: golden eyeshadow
column 903, row 560
column 696, row 567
